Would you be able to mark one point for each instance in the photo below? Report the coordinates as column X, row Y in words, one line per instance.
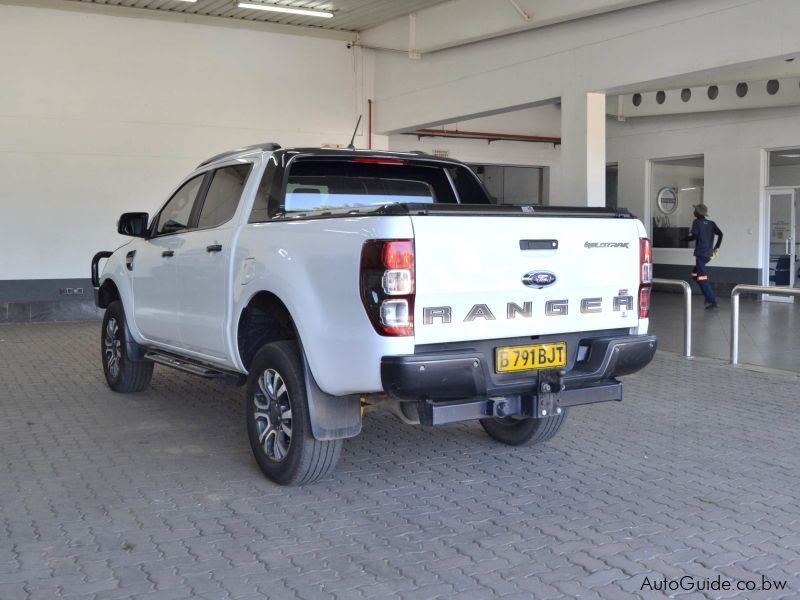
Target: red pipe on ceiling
column 491, row 136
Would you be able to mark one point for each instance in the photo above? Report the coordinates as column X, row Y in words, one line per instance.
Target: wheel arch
column 108, row 293
column 264, row 319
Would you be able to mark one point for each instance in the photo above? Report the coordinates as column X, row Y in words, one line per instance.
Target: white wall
column 103, row 114
column 542, row 120
column 602, row 53
column 733, row 144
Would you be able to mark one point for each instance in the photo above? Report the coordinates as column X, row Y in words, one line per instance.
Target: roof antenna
column 350, row 146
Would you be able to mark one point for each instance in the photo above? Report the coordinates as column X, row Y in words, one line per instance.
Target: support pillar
column 583, row 150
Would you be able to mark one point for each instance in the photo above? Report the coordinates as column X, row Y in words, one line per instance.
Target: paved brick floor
column 157, row 496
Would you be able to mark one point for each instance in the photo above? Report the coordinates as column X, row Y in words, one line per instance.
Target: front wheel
column 122, row 374
column 278, row 422
column 516, row 432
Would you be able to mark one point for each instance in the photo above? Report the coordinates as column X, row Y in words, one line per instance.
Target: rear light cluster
column 645, row 276
column 387, row 285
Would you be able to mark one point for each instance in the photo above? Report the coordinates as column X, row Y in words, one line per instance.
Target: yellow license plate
column 528, row 358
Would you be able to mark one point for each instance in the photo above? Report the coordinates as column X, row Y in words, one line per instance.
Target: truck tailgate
column 470, row 270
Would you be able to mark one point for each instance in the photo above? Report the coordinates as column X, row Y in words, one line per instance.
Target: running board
column 190, row 366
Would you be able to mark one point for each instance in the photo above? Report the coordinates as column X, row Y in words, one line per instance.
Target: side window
column 175, row 215
column 260, row 212
column 224, row 193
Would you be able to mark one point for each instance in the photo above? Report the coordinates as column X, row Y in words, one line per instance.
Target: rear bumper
column 463, row 384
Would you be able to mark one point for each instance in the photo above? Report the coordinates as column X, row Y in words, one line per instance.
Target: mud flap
column 332, row 417
column 133, row 350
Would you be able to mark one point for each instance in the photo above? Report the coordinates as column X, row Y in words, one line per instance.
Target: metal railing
column 687, row 311
column 754, row 289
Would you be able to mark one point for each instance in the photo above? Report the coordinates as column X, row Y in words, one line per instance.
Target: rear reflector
column 644, row 302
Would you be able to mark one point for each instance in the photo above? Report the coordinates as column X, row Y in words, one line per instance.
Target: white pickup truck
column 331, row 282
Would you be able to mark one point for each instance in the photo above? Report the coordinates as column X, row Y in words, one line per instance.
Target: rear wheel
column 516, row 432
column 122, row 374
column 278, row 422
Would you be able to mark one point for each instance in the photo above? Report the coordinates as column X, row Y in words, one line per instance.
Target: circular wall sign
column 667, row 200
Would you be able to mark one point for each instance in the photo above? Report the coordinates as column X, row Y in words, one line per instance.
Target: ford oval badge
column 538, row 279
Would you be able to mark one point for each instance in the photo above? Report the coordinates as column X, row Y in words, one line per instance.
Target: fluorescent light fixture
column 287, row 9
column 688, row 189
column 790, row 155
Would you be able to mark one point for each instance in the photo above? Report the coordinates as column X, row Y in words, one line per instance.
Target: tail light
column 645, row 276
column 646, row 260
column 387, row 285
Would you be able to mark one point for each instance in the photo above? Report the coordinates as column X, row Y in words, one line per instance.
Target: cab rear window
column 305, row 193
column 324, row 184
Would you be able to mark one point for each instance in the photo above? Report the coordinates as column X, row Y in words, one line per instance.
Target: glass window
column 319, row 193
column 677, row 185
column 224, row 193
column 513, row 185
column 612, row 183
column 330, row 184
column 784, row 168
column 177, row 212
column 264, row 194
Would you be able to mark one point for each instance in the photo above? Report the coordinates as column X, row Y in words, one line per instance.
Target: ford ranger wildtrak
column 330, row 282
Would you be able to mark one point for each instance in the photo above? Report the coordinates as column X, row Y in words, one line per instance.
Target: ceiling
column 349, row 15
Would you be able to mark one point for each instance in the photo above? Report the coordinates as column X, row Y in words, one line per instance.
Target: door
column 152, row 265
column 781, row 237
column 204, row 265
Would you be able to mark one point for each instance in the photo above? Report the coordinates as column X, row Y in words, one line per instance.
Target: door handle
column 214, row 248
column 167, row 253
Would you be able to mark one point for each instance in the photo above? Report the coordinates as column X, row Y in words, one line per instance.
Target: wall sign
column 667, row 200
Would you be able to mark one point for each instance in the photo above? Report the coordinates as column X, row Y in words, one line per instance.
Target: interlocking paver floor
column 156, row 495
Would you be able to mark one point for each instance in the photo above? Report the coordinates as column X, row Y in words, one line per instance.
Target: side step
column 190, row 366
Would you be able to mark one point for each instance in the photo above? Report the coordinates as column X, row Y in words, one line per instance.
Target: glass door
column 782, row 246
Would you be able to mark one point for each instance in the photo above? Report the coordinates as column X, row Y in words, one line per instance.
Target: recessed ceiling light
column 307, row 12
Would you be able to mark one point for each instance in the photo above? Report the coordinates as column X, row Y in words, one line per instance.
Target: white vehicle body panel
column 467, row 261
column 313, row 267
column 191, row 303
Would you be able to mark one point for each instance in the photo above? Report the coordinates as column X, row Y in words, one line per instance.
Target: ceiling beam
column 461, row 22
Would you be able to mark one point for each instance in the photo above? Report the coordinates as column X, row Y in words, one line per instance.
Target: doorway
column 782, row 246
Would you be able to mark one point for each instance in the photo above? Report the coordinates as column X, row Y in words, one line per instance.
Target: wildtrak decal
column 606, row 245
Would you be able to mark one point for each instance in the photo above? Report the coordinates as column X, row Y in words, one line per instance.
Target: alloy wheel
column 273, row 415
column 112, row 347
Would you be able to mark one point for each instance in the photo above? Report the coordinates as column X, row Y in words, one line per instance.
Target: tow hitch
column 549, row 398
column 551, row 384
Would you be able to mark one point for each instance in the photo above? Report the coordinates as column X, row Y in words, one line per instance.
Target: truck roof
column 270, row 147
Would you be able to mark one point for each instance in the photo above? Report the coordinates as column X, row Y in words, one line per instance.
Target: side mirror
column 133, row 224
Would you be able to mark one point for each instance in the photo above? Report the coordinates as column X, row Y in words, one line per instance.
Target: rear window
column 331, row 184
column 318, row 193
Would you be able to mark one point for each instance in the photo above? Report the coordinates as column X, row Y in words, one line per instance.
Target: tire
column 516, row 432
column 122, row 374
column 278, row 422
